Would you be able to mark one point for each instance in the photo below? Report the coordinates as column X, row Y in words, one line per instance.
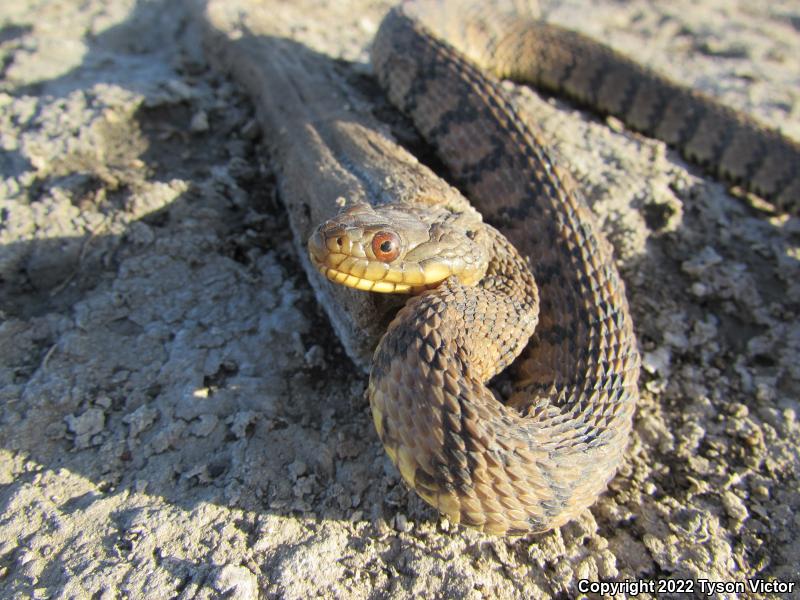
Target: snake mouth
column 357, row 273
column 359, row 283
column 334, row 258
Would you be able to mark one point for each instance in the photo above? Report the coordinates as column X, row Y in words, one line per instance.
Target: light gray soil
column 177, row 417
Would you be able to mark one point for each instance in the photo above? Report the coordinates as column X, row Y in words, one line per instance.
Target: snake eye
column 386, row 246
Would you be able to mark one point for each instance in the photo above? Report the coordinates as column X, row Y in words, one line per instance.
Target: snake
column 543, row 297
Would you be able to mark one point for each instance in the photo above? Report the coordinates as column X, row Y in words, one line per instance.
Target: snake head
column 399, row 248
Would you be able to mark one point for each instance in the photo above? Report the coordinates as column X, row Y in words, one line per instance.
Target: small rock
column 738, row 410
column 241, row 421
column 401, row 523
column 250, row 130
column 718, row 48
column 303, row 486
column 56, row 431
column 203, row 426
column 734, row 506
column 348, row 448
column 103, row 402
column 765, row 392
column 140, row 419
column 699, row 264
column 236, row 582
column 87, row 424
column 179, row 90
column 315, row 356
column 297, row 468
column 166, row 437
column 200, row 471
column 199, row 123
column 657, row 361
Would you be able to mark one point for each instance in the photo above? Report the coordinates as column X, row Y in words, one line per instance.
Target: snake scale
column 547, row 288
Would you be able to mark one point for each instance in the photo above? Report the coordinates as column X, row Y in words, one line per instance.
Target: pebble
column 734, row 506
column 315, row 356
column 401, row 523
column 297, row 468
column 90, row 422
column 199, row 123
column 236, row 582
column 140, row 419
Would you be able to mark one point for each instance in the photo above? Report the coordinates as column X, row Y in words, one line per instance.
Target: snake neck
column 477, row 330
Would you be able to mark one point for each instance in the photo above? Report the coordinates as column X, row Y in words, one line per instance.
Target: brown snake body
column 536, row 461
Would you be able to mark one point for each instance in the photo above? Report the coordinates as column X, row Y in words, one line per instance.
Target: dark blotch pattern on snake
column 546, row 289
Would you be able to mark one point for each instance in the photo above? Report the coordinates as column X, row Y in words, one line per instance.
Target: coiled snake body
column 547, row 287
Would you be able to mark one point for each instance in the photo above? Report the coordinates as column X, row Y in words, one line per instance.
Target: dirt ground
column 178, row 418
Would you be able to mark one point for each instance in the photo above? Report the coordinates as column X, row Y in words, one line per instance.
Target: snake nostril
column 340, row 241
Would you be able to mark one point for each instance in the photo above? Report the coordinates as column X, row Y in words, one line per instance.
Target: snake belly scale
column 546, row 289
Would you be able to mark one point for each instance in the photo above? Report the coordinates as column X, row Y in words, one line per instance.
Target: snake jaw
column 360, row 283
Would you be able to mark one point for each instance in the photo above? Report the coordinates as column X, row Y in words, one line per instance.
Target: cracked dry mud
column 177, row 417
